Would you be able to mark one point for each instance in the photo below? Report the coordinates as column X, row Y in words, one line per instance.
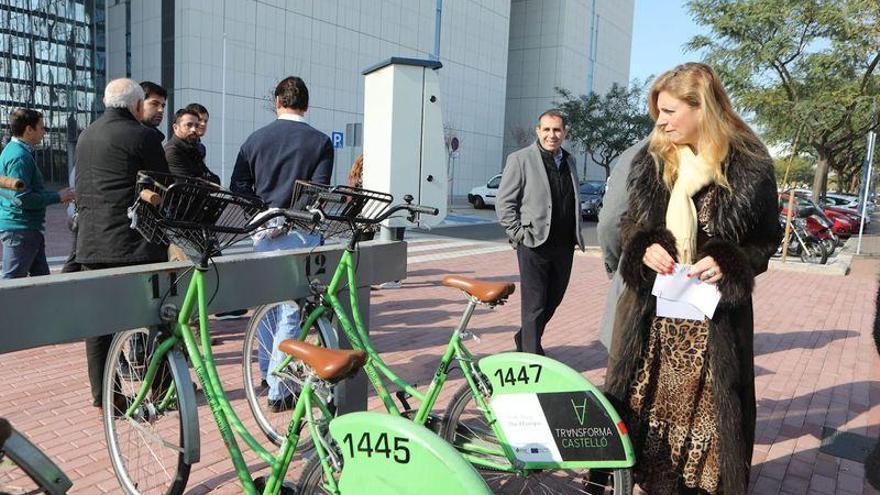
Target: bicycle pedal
column 287, row 488
column 402, row 396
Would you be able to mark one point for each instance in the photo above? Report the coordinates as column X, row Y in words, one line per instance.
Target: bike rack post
column 62, row 308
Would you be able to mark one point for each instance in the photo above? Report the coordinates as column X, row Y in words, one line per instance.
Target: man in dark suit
column 269, row 163
column 109, row 154
column 538, row 204
column 182, row 148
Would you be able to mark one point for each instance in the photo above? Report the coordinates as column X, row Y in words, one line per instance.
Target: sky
column 660, row 30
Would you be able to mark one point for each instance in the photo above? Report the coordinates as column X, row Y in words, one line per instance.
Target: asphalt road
column 494, row 232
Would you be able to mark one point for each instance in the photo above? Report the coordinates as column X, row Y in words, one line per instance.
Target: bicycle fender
column 188, row 406
column 389, row 454
column 578, row 426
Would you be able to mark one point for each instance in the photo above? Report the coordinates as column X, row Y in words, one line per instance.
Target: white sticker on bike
column 524, row 425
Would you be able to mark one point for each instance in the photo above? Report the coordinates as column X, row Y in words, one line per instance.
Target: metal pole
column 867, row 181
column 787, row 235
column 437, row 15
column 591, row 57
column 223, row 104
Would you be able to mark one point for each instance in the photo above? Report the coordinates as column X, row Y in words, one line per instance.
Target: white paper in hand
column 676, row 292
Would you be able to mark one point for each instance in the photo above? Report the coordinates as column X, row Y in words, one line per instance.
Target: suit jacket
column 523, row 203
column 614, row 205
column 274, row 157
column 109, row 154
column 186, row 159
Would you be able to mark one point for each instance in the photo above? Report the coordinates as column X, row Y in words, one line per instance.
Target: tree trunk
column 820, row 180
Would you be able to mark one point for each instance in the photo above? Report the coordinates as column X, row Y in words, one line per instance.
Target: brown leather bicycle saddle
column 331, row 365
column 484, row 290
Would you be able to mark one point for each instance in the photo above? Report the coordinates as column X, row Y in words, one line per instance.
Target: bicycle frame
column 227, row 420
column 378, row 371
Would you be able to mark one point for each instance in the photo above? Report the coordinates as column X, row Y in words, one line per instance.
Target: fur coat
column 743, row 232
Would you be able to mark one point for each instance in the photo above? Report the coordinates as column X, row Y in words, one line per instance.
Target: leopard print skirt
column 673, row 411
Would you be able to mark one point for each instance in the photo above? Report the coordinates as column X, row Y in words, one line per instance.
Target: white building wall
column 329, row 44
column 501, row 60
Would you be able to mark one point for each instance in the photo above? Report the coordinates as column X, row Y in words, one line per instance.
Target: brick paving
column 815, row 364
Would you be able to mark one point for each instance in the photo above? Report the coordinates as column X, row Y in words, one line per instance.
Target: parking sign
column 338, row 139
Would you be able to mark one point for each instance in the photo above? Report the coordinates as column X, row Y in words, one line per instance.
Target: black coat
column 186, row 159
column 109, row 154
column 744, row 233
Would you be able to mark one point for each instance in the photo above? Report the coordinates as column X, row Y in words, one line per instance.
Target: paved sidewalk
column 816, row 367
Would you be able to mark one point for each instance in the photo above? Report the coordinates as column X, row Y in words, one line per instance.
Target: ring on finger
column 711, row 273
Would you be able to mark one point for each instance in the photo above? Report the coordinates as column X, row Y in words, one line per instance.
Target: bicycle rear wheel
column 465, row 422
column 148, row 450
column 273, row 417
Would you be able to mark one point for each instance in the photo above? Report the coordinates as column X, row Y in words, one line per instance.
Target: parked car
column 592, row 192
column 483, row 196
column 847, row 201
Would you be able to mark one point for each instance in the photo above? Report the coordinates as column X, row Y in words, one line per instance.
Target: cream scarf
column 681, row 214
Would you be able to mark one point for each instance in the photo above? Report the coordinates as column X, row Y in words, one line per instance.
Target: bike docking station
column 404, row 151
column 69, row 307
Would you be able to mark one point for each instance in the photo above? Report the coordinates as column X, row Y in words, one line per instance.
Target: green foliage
column 801, row 171
column 798, row 64
column 604, row 126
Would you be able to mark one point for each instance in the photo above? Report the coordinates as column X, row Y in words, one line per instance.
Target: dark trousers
column 24, row 253
column 71, row 265
column 543, row 272
column 98, row 347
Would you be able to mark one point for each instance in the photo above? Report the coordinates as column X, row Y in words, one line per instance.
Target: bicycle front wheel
column 466, row 424
column 271, row 400
column 312, row 480
column 147, row 449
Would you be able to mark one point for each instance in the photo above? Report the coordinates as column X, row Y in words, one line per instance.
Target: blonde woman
column 702, row 193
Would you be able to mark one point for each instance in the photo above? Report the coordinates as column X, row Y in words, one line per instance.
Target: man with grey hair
column 109, row 154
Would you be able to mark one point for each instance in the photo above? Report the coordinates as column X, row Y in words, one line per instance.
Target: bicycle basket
column 199, row 216
column 342, row 206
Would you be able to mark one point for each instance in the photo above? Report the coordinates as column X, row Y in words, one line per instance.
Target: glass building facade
column 53, row 59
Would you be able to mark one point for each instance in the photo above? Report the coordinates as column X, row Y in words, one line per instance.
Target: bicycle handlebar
column 150, row 197
column 414, row 209
column 12, row 183
column 427, row 210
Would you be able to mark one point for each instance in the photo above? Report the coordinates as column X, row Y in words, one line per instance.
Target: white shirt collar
column 292, row 116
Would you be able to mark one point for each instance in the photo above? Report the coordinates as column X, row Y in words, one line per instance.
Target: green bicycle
column 530, row 424
column 149, row 406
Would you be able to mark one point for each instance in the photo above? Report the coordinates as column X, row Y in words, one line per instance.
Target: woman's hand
column 658, row 259
column 707, row 270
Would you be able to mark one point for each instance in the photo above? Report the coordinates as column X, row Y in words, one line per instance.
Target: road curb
column 839, row 267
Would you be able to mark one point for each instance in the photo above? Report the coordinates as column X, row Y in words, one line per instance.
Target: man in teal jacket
column 23, row 215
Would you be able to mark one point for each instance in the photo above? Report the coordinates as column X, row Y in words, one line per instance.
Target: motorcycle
column 809, row 247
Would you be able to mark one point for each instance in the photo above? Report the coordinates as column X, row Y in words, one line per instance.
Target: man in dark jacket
column 270, row 161
column 109, row 154
column 182, row 150
column 155, row 99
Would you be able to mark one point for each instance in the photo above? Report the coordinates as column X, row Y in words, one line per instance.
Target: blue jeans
column 286, row 316
column 24, row 253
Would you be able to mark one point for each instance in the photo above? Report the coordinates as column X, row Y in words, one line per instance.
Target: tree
column 604, row 126
column 801, row 170
column 794, row 63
